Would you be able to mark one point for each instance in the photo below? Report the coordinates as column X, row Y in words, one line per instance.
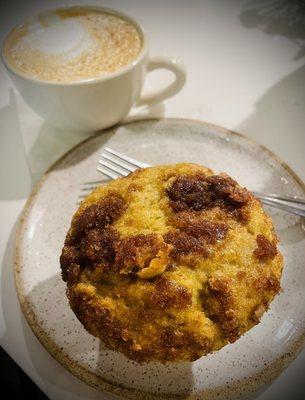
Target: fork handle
column 289, row 204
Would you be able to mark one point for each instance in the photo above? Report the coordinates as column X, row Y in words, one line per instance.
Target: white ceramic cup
column 100, row 102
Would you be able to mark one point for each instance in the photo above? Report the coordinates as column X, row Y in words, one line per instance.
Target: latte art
column 72, row 45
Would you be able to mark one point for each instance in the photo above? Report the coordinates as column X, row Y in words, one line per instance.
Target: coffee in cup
column 72, row 45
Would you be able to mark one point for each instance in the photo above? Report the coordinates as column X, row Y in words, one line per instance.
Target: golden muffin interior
column 170, row 263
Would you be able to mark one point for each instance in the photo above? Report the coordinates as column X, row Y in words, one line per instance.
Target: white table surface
column 246, row 71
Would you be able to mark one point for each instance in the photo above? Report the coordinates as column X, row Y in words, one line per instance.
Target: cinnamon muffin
column 170, row 263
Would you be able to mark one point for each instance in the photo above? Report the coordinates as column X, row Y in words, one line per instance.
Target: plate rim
column 258, row 380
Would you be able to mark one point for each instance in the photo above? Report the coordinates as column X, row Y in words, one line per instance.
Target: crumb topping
column 201, row 192
column 265, row 250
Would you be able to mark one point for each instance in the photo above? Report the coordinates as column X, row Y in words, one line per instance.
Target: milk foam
column 67, row 37
column 72, row 47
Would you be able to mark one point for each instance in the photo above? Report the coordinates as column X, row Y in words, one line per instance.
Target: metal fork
column 113, row 165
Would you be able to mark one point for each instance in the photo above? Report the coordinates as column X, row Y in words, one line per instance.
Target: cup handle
column 172, row 64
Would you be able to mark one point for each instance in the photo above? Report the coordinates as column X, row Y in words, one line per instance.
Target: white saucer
column 237, row 369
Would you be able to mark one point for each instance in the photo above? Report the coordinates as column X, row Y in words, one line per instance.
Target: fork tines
column 114, row 164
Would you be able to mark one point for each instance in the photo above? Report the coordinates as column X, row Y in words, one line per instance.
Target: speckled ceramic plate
column 237, row 369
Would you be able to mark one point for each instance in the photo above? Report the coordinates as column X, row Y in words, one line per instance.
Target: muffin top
column 170, row 263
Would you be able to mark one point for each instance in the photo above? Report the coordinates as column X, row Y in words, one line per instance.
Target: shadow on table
column 21, row 168
column 102, row 137
column 277, row 18
column 15, row 176
column 280, row 114
column 52, row 143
